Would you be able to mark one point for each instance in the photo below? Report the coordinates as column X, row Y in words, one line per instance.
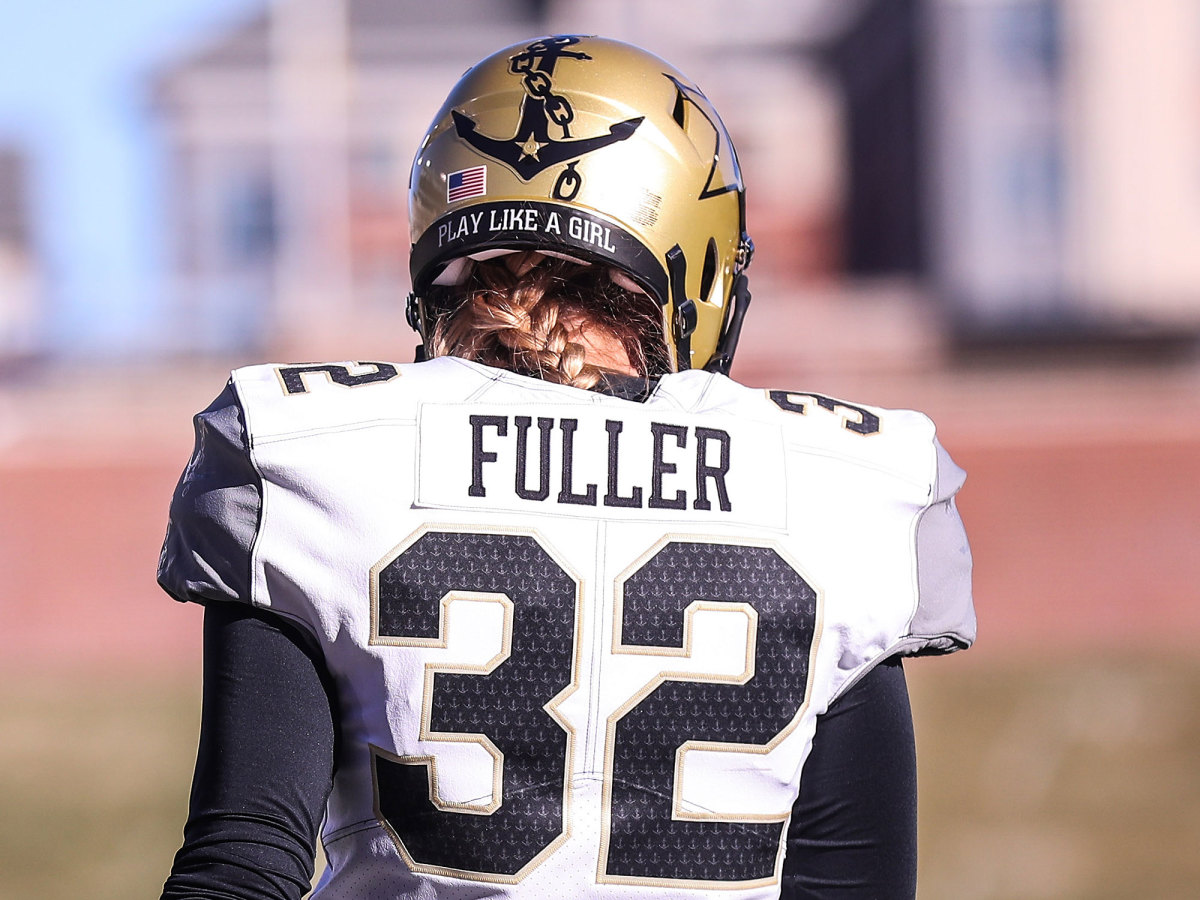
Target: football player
column 562, row 610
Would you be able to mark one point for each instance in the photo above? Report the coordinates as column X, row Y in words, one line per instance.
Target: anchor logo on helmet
column 532, row 150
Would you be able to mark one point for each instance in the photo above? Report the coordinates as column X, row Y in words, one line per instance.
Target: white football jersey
column 580, row 643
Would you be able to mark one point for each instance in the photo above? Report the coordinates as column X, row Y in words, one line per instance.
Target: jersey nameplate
column 583, row 460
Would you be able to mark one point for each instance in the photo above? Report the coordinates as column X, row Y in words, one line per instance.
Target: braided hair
column 528, row 313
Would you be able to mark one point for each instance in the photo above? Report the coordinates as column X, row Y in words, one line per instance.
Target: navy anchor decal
column 532, row 150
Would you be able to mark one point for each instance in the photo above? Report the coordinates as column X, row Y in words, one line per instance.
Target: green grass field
column 1075, row 780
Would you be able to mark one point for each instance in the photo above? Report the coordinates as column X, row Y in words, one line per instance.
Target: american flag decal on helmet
column 466, row 184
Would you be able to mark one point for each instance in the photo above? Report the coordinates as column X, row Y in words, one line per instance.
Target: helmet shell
column 589, row 147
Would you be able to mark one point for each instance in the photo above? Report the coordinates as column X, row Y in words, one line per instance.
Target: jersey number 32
column 649, row 836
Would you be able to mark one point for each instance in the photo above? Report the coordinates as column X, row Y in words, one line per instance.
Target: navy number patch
column 292, row 377
column 507, row 705
column 648, row 837
column 854, row 418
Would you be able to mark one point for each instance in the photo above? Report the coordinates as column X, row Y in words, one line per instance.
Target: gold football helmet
column 597, row 151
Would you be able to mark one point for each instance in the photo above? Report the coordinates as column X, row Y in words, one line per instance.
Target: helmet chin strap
column 683, row 312
column 412, row 312
column 726, row 345
column 684, row 317
column 739, row 300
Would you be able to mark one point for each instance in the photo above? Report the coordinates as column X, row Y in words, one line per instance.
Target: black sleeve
column 264, row 766
column 853, row 834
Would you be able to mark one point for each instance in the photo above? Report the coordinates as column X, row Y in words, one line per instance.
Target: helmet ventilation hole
column 679, row 113
column 709, row 272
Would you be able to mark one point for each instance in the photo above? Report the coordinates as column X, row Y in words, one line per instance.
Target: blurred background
column 985, row 209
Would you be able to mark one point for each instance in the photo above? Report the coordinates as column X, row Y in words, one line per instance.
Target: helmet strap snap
column 412, row 312
column 683, row 309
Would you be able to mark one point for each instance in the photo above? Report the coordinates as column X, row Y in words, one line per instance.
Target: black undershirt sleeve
column 264, row 766
column 853, row 834
column 265, row 762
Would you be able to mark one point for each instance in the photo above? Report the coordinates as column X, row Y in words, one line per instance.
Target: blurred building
column 20, row 281
column 1034, row 165
column 290, row 141
column 1063, row 177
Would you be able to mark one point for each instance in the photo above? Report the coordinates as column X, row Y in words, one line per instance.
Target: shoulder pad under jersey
column 214, row 512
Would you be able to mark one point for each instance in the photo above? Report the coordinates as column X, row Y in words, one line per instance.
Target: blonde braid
column 522, row 311
column 512, row 321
